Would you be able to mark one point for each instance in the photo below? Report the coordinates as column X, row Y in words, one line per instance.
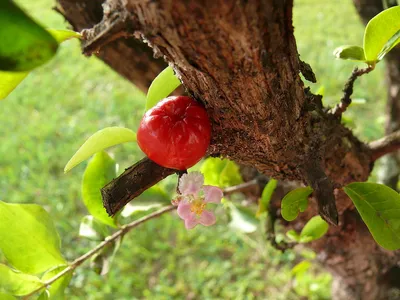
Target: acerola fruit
column 175, row 133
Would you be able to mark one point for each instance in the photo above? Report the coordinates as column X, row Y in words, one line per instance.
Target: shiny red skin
column 175, row 133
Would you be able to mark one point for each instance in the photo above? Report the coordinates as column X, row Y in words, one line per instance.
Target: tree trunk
column 239, row 58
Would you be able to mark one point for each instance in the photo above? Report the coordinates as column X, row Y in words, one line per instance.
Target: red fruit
column 175, row 133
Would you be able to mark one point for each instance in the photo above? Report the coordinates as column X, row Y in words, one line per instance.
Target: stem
column 124, row 229
column 348, row 90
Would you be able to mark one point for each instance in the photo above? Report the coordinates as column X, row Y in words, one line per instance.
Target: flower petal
column 207, row 218
column 191, row 183
column 212, row 194
column 183, row 210
column 191, row 222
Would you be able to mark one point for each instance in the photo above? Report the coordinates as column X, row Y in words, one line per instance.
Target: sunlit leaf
column 62, row 35
column 266, row 196
column 381, row 34
column 7, row 297
column 163, row 85
column 301, row 267
column 294, row 202
column 24, row 45
column 315, row 228
column 100, row 170
column 9, row 81
column 18, row 284
column 293, row 235
column 57, row 288
column 220, row 172
column 242, row 219
column 28, row 238
column 99, row 141
column 379, row 207
column 349, row 52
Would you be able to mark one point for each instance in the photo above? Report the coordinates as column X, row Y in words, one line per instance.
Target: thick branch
column 385, row 145
column 133, row 182
column 128, row 56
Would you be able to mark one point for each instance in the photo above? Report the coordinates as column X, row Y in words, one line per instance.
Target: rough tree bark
column 239, row 59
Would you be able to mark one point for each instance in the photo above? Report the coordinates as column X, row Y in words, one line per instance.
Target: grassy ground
column 59, row 105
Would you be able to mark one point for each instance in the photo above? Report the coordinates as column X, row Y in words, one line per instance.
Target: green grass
column 59, row 105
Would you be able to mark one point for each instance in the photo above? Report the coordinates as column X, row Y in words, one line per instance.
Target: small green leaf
column 294, row 202
column 163, row 85
column 315, row 228
column 349, row 52
column 266, row 196
column 9, row 81
column 100, row 170
column 28, row 238
column 57, row 288
column 220, row 172
column 99, row 141
column 24, row 45
column 379, row 207
column 61, row 35
column 242, row 219
column 293, row 235
column 18, row 284
column 301, row 267
column 380, row 34
column 93, row 229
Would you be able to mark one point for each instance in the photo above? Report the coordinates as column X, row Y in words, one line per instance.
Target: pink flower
column 195, row 196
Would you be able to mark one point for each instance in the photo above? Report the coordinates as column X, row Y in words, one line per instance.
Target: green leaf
column 24, row 45
column 349, row 52
column 163, row 85
column 391, row 43
column 301, row 267
column 7, row 297
column 57, row 288
column 18, row 284
column 266, row 196
column 315, row 228
column 220, row 172
column 62, row 35
column 294, row 202
column 242, row 219
column 28, row 238
column 100, row 170
column 293, row 235
column 379, row 31
column 93, row 229
column 154, row 197
column 99, row 141
column 9, row 81
column 379, row 207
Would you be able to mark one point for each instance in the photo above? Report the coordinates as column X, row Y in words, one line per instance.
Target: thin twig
column 385, row 145
column 241, row 187
column 348, row 90
column 124, row 229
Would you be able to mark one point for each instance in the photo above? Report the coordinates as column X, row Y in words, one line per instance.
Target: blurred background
column 59, row 105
